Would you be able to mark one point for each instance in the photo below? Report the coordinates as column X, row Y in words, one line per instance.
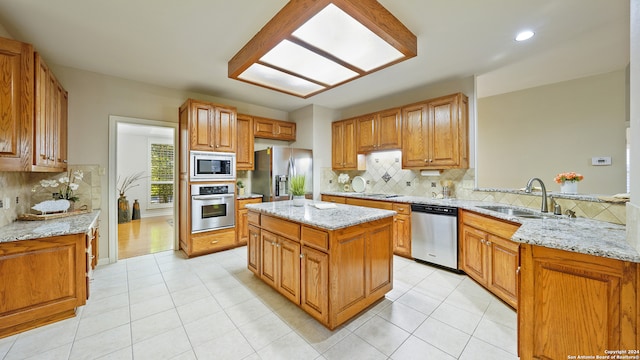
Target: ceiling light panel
column 310, row 46
column 301, row 61
column 269, row 77
column 362, row 48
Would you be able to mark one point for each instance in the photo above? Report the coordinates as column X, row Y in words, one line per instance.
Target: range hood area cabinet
column 33, row 124
column 432, row 134
column 436, row 133
column 379, row 131
column 274, row 129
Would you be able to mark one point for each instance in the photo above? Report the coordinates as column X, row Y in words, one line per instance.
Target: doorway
column 145, row 151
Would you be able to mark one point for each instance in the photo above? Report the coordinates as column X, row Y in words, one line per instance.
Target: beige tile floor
column 162, row 306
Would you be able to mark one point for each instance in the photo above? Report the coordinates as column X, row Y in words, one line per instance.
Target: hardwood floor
column 145, row 236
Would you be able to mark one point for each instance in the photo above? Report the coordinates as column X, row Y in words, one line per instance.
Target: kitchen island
column 331, row 260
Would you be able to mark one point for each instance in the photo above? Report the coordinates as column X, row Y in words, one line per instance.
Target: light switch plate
column 601, row 160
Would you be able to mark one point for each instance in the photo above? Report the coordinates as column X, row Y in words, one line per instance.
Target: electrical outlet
column 330, row 181
column 7, row 203
column 1, row 204
column 433, row 184
column 408, row 183
column 17, row 200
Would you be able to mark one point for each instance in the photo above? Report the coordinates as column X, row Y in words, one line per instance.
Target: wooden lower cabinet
column 575, row 304
column 487, row 256
column 331, row 274
column 242, row 219
column 211, row 241
column 401, row 222
column 43, row 280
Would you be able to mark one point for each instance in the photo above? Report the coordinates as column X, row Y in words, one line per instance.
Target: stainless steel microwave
column 205, row 166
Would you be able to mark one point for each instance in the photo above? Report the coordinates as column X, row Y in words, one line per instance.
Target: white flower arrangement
column 67, row 185
column 343, row 178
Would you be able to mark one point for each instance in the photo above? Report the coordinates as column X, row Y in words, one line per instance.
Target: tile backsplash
column 26, row 187
column 384, row 174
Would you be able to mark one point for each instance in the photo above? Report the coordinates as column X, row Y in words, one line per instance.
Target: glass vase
column 124, row 213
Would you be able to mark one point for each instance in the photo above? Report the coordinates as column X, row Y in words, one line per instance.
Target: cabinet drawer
column 213, row 241
column 370, row 203
column 334, row 199
column 281, row 227
column 243, row 202
column 315, row 238
column 404, row 209
column 254, row 218
column 489, row 224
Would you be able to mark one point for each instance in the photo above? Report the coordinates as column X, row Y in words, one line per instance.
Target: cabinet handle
column 43, row 156
column 518, row 270
column 301, row 256
column 273, row 243
column 482, row 241
column 64, row 161
column 488, row 243
column 217, row 146
column 430, row 160
column 214, row 242
column 426, row 160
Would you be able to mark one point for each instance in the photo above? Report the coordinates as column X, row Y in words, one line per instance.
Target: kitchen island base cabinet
column 575, row 304
column 331, row 274
column 42, row 281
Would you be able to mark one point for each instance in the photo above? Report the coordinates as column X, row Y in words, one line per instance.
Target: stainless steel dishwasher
column 434, row 235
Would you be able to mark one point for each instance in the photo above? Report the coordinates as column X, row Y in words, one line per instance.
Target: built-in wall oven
column 212, row 166
column 212, row 207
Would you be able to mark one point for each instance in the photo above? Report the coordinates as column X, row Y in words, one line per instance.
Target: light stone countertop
column 29, row 230
column 579, row 235
column 341, row 216
column 248, row 196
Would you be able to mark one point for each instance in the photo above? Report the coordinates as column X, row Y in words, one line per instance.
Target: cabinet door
column 225, row 131
column 337, row 145
column 263, row 128
column 314, row 294
column 244, row 153
column 42, row 123
column 379, row 258
column 242, row 225
column 61, row 159
column 268, row 257
column 253, row 250
column 16, row 105
column 402, row 235
column 367, row 136
column 389, row 130
column 289, row 269
column 414, row 141
column 444, row 142
column 474, row 253
column 286, row 131
column 575, row 304
column 201, row 126
column 504, row 262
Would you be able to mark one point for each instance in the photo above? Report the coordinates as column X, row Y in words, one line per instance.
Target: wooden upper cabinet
column 16, row 105
column 436, row 134
column 211, row 127
column 244, row 152
column 344, row 155
column 50, row 125
column 274, row 129
column 379, row 131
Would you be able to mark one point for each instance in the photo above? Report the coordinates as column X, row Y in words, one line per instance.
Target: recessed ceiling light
column 524, row 35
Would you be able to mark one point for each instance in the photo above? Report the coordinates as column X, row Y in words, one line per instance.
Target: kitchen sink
column 513, row 211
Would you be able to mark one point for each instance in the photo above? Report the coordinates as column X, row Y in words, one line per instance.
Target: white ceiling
column 186, row 44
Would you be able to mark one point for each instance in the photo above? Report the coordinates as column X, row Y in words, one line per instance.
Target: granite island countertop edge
column 32, row 230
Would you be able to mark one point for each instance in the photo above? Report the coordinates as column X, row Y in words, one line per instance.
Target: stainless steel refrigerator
column 275, row 166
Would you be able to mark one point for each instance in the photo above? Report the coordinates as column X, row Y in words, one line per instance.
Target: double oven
column 212, row 188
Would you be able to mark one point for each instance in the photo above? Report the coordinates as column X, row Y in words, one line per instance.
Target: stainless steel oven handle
column 211, row 197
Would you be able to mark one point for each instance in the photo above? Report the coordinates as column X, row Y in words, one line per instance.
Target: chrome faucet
column 544, row 192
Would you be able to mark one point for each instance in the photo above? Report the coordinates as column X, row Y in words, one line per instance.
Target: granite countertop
column 341, row 216
column 29, row 230
column 579, row 235
column 248, row 196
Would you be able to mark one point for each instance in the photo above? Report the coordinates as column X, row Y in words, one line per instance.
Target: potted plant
column 240, row 186
column 296, row 187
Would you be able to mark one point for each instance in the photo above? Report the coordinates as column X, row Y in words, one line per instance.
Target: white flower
column 343, row 178
column 48, row 183
column 74, row 186
column 64, row 179
column 78, row 174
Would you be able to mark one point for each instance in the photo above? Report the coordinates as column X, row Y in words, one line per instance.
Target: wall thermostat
column 601, row 160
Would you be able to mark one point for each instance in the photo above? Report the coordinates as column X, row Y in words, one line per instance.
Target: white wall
column 542, row 131
column 633, row 208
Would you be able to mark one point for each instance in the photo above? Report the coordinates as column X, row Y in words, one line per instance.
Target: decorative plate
column 358, row 184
